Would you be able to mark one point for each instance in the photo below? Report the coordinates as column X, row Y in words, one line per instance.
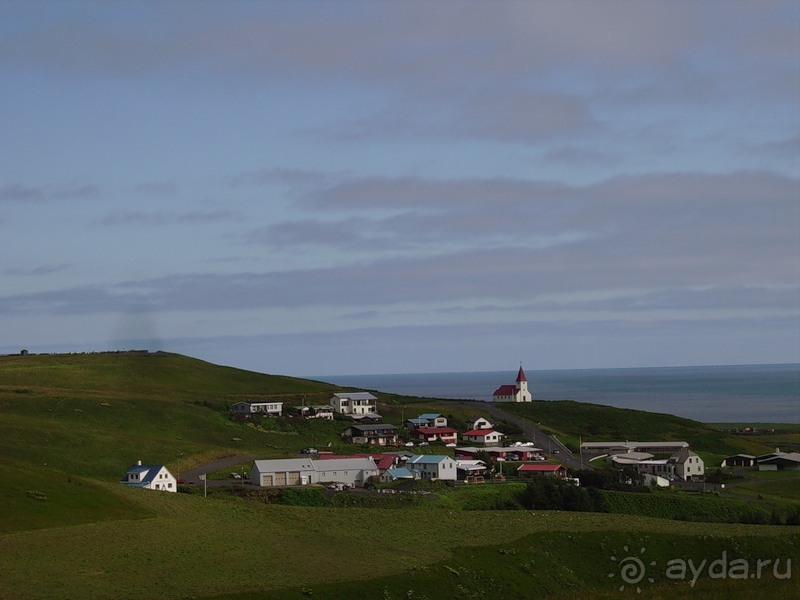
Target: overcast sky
column 381, row 187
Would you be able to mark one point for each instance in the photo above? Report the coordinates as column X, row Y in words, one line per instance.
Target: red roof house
column 483, row 436
column 446, row 435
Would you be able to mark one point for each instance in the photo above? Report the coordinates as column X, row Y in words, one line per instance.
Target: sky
column 309, row 188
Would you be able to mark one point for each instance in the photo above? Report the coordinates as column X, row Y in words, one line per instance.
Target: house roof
column 355, row 395
column 436, row 430
column 427, row 459
column 506, row 390
column 401, row 473
column 343, row 464
column 480, row 432
column 376, row 427
column 791, row 457
column 149, row 471
column 283, row 464
column 682, row 456
column 383, row 461
column 540, row 468
column 429, row 416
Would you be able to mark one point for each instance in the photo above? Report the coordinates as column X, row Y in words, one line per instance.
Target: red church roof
column 521, row 375
column 506, row 390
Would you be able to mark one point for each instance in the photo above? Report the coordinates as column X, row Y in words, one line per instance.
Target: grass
column 70, row 425
column 194, row 546
column 573, row 421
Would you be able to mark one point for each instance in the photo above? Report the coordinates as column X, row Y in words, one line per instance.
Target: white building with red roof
column 517, row 392
column 483, row 436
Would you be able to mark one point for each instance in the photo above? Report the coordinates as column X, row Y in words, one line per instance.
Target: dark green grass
column 36, row 498
column 561, row 565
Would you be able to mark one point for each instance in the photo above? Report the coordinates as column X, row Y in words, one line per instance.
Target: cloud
column 24, row 193
column 35, row 271
column 161, row 218
column 162, row 188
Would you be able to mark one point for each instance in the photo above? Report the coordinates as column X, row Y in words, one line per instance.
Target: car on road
column 309, row 451
column 235, row 476
column 422, row 444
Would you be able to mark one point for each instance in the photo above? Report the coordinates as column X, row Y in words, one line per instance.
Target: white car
column 451, row 445
column 409, row 444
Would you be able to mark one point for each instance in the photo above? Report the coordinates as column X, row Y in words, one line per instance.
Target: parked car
column 422, row 444
column 409, row 444
column 451, row 445
column 235, row 476
column 309, row 451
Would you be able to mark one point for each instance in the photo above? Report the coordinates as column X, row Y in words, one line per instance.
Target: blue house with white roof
column 151, row 477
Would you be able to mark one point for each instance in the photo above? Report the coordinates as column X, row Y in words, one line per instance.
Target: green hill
column 71, row 424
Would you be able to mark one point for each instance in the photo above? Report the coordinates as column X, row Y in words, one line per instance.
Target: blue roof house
column 150, row 477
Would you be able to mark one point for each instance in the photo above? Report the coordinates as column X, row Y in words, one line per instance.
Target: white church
column 514, row 392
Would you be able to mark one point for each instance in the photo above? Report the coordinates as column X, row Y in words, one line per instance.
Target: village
column 425, row 447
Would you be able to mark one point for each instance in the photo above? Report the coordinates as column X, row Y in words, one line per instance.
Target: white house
column 355, row 471
column 151, row 477
column 481, row 423
column 684, row 465
column 354, row 403
column 272, row 409
column 432, row 466
column 517, row 392
column 303, row 471
column 483, row 436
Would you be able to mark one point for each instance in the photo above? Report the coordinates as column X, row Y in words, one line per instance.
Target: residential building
column 483, row 436
column 354, row 403
column 432, row 466
column 446, row 435
column 426, row 420
column 324, row 411
column 150, row 477
column 373, row 435
column 517, row 392
column 272, row 409
column 481, row 423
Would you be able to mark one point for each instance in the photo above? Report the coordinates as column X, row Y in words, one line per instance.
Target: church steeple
column 521, row 375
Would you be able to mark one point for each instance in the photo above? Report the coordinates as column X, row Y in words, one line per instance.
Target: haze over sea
column 711, row 394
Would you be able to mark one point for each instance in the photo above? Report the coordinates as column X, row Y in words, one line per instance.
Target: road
column 192, row 476
column 551, row 445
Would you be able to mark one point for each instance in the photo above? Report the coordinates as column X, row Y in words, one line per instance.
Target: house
column 517, row 392
column 542, row 469
column 150, row 477
column 324, row 411
column 483, row 436
column 688, row 465
column 382, row 461
column 598, row 448
column 684, row 465
column 481, row 423
column 397, row 473
column 426, row 420
column 432, row 466
column 354, row 403
column 271, row 409
column 367, row 418
column 303, row 471
column 739, row 460
column 470, row 468
column 373, row 435
column 446, row 435
column 355, row 471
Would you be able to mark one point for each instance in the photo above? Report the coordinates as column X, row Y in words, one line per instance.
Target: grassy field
column 70, row 425
column 198, row 547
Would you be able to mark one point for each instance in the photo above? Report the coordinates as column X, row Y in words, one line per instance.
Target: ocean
column 712, row 394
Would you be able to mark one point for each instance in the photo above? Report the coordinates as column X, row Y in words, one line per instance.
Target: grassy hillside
column 71, row 424
column 573, row 421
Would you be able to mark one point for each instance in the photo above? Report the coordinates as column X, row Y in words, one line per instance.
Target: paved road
column 551, row 445
column 193, row 475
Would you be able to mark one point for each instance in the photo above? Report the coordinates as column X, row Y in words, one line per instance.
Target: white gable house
column 150, row 477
